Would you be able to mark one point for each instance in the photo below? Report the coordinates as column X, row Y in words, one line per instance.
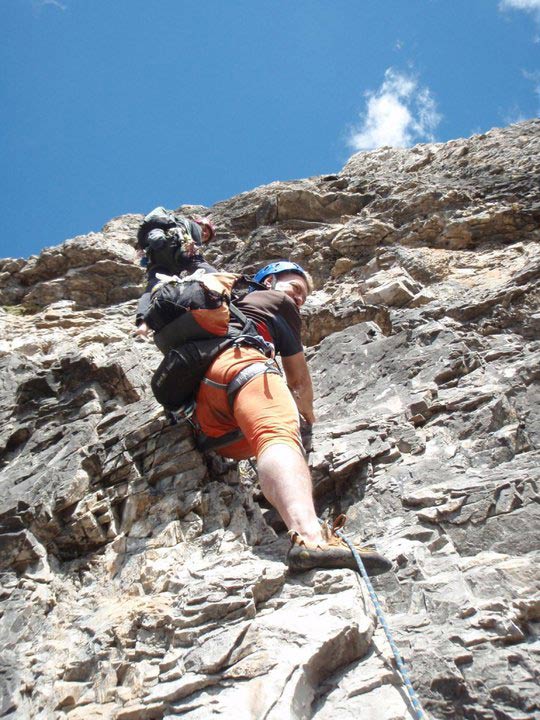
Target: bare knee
column 282, row 459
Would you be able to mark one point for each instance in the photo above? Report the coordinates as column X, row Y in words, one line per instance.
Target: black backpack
column 191, row 318
column 163, row 236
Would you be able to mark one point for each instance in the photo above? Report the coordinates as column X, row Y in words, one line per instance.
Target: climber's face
column 206, row 233
column 291, row 284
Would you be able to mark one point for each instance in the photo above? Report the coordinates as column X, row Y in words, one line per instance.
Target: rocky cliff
column 142, row 580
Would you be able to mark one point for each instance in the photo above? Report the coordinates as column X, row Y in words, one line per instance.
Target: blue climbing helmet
column 278, row 267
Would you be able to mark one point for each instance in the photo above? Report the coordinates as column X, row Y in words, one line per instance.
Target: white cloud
column 531, row 6
column 54, row 3
column 520, row 4
column 399, row 114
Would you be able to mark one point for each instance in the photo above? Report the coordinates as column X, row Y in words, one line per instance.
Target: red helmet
column 206, row 222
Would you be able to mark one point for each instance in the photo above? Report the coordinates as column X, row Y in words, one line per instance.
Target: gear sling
column 191, row 319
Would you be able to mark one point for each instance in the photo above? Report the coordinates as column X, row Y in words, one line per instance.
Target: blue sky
column 116, row 106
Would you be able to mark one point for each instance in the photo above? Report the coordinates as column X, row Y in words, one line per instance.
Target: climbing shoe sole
column 300, row 558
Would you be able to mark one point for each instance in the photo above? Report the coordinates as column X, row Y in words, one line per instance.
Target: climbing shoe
column 332, row 552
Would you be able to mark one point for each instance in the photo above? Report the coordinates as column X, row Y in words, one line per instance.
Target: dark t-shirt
column 277, row 318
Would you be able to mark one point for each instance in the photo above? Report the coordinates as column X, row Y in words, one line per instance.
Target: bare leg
column 286, row 483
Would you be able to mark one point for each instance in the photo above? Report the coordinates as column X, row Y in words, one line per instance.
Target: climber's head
column 287, row 277
column 208, row 229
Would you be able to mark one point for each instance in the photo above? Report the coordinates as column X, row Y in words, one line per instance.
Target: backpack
column 178, row 376
column 196, row 307
column 191, row 322
column 162, row 235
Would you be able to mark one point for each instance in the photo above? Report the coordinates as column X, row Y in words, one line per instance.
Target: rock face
column 142, row 580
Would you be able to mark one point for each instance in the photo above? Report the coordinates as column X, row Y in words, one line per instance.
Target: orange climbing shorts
column 263, row 409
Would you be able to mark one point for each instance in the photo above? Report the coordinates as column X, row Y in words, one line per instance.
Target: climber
column 265, row 409
column 171, row 243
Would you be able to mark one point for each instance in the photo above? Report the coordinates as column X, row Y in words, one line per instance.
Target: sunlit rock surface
column 142, row 580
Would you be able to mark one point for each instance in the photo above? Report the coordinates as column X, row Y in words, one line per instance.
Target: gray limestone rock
column 142, row 580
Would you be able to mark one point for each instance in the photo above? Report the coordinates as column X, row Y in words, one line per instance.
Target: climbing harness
column 402, row 669
column 205, row 442
column 185, row 412
column 182, row 414
column 247, row 374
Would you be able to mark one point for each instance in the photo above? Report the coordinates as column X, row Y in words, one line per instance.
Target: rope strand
column 402, row 669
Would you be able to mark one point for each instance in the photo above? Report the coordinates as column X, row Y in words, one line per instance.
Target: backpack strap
column 239, row 315
column 249, row 335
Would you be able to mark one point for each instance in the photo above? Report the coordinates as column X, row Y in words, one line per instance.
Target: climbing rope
column 402, row 669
